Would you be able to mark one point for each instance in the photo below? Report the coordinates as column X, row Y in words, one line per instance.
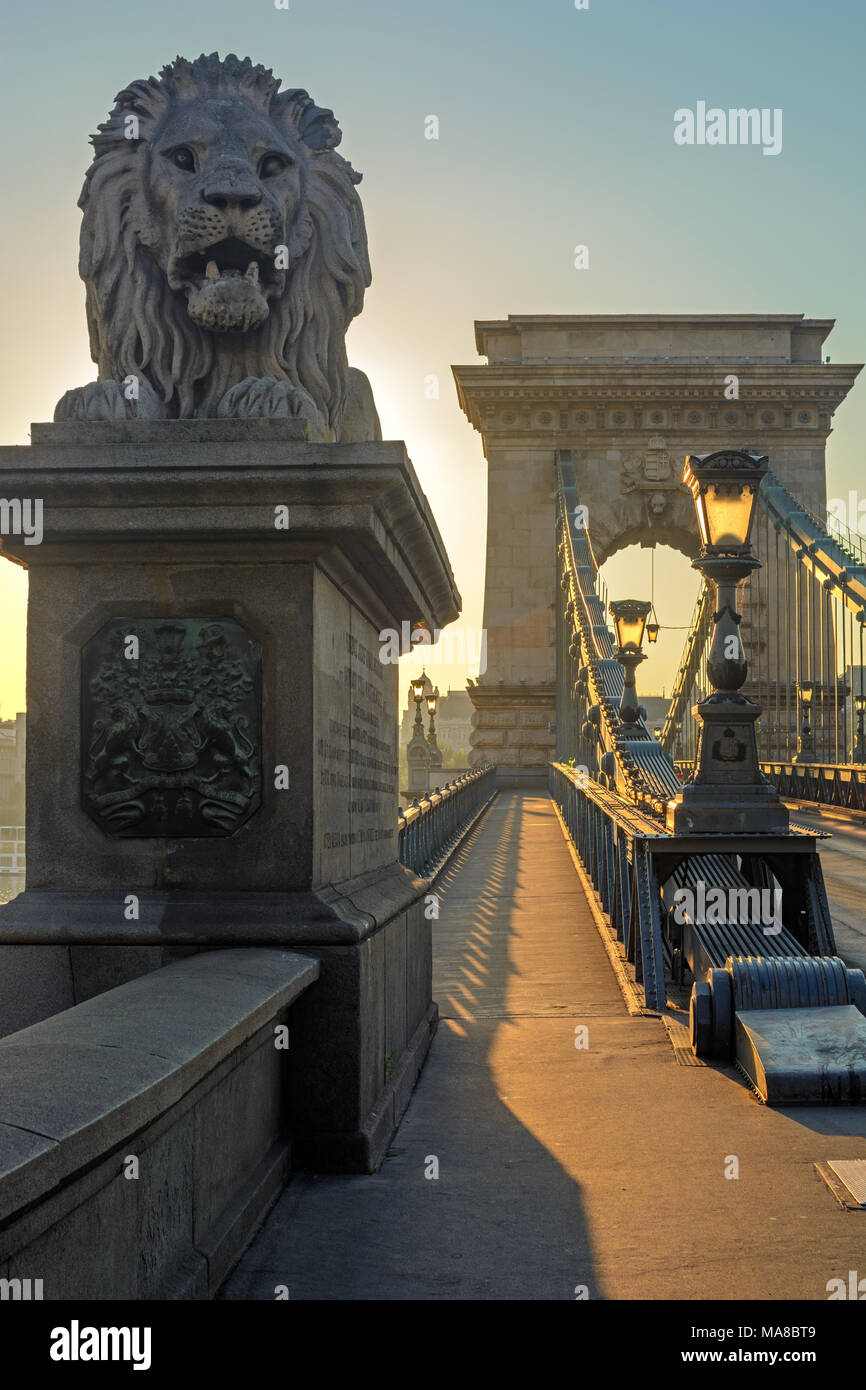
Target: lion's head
column 222, row 238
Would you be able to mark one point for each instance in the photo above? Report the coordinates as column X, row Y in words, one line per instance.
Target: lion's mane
column 139, row 326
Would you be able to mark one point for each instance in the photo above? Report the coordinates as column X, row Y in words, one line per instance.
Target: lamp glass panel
column 729, row 513
column 701, row 510
column 629, row 630
column 418, row 689
column 431, row 704
column 806, row 693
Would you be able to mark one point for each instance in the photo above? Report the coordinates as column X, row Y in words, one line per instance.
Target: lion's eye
column 183, row 159
column 271, row 165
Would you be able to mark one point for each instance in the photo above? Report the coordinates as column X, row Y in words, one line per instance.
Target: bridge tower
column 629, row 395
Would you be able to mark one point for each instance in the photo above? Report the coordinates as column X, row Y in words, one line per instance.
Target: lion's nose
column 230, row 195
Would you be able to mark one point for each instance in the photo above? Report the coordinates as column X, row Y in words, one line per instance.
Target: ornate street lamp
column 652, row 632
column 629, row 616
column 806, row 740
column 432, row 700
column 860, row 745
column 418, row 751
column 728, row 792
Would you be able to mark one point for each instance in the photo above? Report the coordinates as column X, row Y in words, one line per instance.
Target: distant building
column 13, row 743
column 656, row 707
column 454, row 719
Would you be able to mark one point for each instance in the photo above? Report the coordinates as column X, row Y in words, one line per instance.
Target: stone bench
column 178, row 1070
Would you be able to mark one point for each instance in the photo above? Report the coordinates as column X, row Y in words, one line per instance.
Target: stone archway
column 634, row 496
column 628, row 396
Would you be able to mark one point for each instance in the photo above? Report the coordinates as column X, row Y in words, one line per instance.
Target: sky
column 555, row 129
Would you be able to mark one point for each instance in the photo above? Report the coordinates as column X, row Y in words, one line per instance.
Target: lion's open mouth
column 228, row 285
column 227, row 259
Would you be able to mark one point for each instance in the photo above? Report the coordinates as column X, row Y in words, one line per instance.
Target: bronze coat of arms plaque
column 171, row 727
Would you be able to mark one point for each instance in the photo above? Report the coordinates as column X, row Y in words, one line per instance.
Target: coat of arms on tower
column 652, row 469
column 171, row 727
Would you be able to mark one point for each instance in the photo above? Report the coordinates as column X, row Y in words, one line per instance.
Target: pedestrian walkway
column 562, row 1168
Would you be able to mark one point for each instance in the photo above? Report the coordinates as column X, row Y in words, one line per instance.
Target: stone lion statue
column 224, row 252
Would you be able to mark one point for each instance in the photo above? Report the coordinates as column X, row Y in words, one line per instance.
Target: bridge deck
column 561, row 1167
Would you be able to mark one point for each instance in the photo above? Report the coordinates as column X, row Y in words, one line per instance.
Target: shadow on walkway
column 503, row 1220
column 610, row 1166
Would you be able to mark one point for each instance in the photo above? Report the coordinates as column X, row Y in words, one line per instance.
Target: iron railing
column 429, row 828
column 679, row 733
column 610, row 837
column 613, row 782
column 828, row 784
column 589, row 680
column 634, row 864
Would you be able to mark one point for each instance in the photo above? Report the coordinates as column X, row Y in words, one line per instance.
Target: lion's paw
column 132, row 399
column 264, row 398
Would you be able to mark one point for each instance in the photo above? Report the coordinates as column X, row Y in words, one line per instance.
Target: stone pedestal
column 728, row 794
column 212, row 737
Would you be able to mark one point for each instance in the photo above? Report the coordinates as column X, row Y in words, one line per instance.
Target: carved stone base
column 729, row 794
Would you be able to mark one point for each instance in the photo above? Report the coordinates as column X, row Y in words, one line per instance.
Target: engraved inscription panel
column 356, row 754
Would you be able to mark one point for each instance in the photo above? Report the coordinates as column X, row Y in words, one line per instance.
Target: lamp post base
column 806, row 749
column 729, row 794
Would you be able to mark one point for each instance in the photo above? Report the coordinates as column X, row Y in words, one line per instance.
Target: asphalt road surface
column 844, row 861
